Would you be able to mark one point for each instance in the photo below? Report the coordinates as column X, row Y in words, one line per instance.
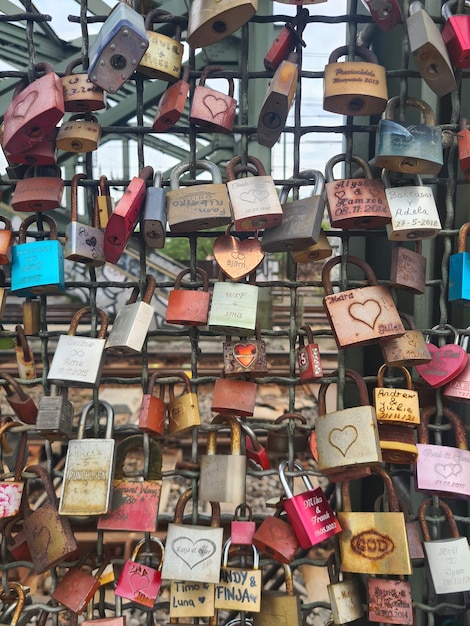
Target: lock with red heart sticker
column 246, row 356
column 446, row 362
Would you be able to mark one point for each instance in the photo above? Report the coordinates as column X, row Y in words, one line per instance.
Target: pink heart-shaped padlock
column 446, row 363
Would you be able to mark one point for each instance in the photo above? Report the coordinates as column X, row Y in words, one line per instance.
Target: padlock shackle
column 308, row 331
column 452, row 328
column 348, row 373
column 44, row 477
column 87, row 310
column 146, row 173
column 166, row 17
column 21, row 450
column 84, row 415
column 331, row 263
column 22, row 342
column 393, row 502
column 235, row 434
column 157, row 179
column 385, row 176
column 22, row 231
column 427, row 114
column 382, row 368
column 5, row 221
column 150, row 285
column 211, row 69
column 250, row 433
column 181, row 504
column 457, row 426
column 136, row 442
column 447, row 8
column 311, row 175
column 43, row 67
column 282, row 477
column 74, row 196
column 244, row 508
column 103, row 185
column 72, row 65
column 363, row 164
column 463, row 124
column 198, row 271
column 359, row 51
column 226, row 549
column 11, row 382
column 238, row 159
column 245, row 169
column 201, row 164
column 142, row 543
column 463, row 234
column 449, row 516
column 21, row 593
column 152, row 381
column 415, row 6
column 187, row 384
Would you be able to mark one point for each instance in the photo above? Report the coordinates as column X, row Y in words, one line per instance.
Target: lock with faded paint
column 354, row 87
column 212, row 110
column 80, row 94
column 164, row 55
column 288, row 37
column 345, row 600
column 41, row 189
column 6, row 241
column 409, row 349
column 80, row 133
column 233, row 396
column 245, row 356
column 172, row 101
column 308, row 357
column 242, row 530
column 234, row 307
column 43, row 152
column 139, row 582
column 360, row 316
column 11, row 491
column 385, row 13
column 155, row 214
column 118, row 48
column 459, row 270
column 456, row 35
column 189, row 307
column 355, row 202
column 302, row 218
column 152, row 412
column 276, row 538
column 89, row 467
column 278, row 605
column 316, row 252
column 463, row 144
column 78, row 585
column 294, row 427
column 55, row 415
column 22, row 404
column 210, row 22
column 132, row 322
column 408, row 269
column 183, row 410
column 389, row 601
column 239, row 588
column 412, row 149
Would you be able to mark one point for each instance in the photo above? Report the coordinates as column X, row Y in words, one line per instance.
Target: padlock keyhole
column 356, row 104
column 118, row 61
column 35, row 131
column 433, row 69
column 219, row 27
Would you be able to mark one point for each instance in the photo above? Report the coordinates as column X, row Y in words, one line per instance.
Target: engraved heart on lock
column 216, row 106
column 193, row 553
column 343, row 438
column 446, row 362
column 448, row 470
column 237, row 258
column 366, row 312
column 23, row 106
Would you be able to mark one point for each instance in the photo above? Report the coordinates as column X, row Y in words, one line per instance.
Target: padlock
column 139, row 582
column 24, row 355
column 408, row 269
column 222, row 477
column 239, row 588
column 191, row 599
column 360, row 316
column 284, row 606
column 171, row 104
column 288, row 37
column 389, row 601
column 197, row 207
column 234, row 307
column 78, row 586
column 242, row 530
column 355, row 202
column 276, row 538
column 183, row 410
column 132, row 322
column 164, row 54
column 459, row 270
column 15, row 538
column 347, row 438
column 124, row 218
column 136, row 495
column 41, row 189
column 118, row 48
column 309, row 512
column 413, row 210
column 245, row 356
column 397, row 443
column 83, row 243
column 212, row 110
column 89, row 468
column 447, row 577
column 203, row 564
column 395, row 405
column 20, row 593
column 116, row 620
column 152, row 412
column 412, row 149
column 235, row 258
column 22, row 404
column 385, row 13
column 11, row 491
column 49, row 535
column 80, row 94
column 55, row 415
column 6, row 241
column 3, row 300
column 456, row 35
column 81, row 133
column 256, row 453
column 278, row 101
column 31, row 314
column 154, row 217
column 458, row 389
column 34, row 111
column 345, row 600
column 319, row 251
column 409, row 349
column 354, row 87
column 294, row 430
column 308, row 357
column 374, row 542
column 254, row 200
column 79, row 361
column 232, row 396
column 209, row 23
column 429, row 51
column 463, row 143
column 104, row 202
column 302, row 218
column 446, row 362
column 188, row 307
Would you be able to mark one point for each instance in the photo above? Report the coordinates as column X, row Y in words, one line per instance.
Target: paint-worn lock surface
column 6, row 241
column 278, row 101
column 276, row 538
column 49, row 535
column 385, row 13
column 155, row 214
column 412, row 149
column 152, row 412
column 222, row 476
column 458, row 389
column 24, row 355
column 55, row 416
column 355, row 202
column 459, row 270
column 163, row 57
column 124, row 218
column 237, row 258
column 233, row 307
column 429, row 51
column 302, row 218
column 296, row 429
column 246, row 356
column 360, row 316
column 288, row 37
column 42, row 153
column 409, row 349
column 212, row 110
column 22, row 404
column 254, row 199
column 202, row 565
column 256, row 453
column 463, row 143
column 284, row 606
column 83, row 243
column 445, row 579
column 41, row 189
column 139, row 582
column 15, row 538
column 389, row 601
column 80, row 94
column 183, row 410
column 103, row 201
column 20, row 593
column 317, row 252
column 131, row 325
column 456, row 35
column 189, row 307
column 371, row 542
column 79, row 134
column 172, row 101
column 354, row 87
column 79, row 361
column 210, row 22
column 11, row 488
column 408, row 269
column 309, row 512
column 78, row 586
column 395, row 405
column 308, row 357
column 344, row 596
column 34, row 111
column 233, row 397
column 239, row 588
column 447, row 361
column 118, row 48
column 136, row 494
column 197, row 207
column 242, row 530
column 89, row 468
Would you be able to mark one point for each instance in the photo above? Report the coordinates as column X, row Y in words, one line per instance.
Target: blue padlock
column 459, row 270
column 37, row 267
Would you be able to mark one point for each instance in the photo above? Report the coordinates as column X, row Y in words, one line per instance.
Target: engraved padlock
column 234, row 307
column 172, row 101
column 395, row 405
column 212, row 110
column 155, row 214
column 239, row 588
column 308, row 357
column 80, row 94
column 344, row 596
column 79, row 134
column 164, row 54
column 409, row 349
column 456, row 35
column 139, row 582
column 458, row 389
column 183, row 410
column 245, row 356
column 447, row 361
column 41, row 189
column 408, row 268
column 210, row 22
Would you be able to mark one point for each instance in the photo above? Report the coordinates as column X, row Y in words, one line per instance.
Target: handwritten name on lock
column 191, row 597
column 394, row 404
column 83, row 355
column 357, row 196
column 193, row 553
column 390, row 603
column 240, row 586
column 410, row 207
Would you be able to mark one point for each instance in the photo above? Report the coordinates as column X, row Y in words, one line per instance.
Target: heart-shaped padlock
column 237, row 258
column 446, row 362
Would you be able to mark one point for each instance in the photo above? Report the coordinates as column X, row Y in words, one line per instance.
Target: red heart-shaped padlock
column 446, row 363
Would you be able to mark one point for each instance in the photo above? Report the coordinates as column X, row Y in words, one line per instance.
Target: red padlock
column 171, row 104
column 456, row 35
column 212, row 110
column 138, row 582
column 42, row 153
column 153, row 409
column 385, row 13
column 463, row 143
column 189, row 307
column 289, row 35
column 308, row 357
column 233, row 397
column 39, row 190
column 255, row 452
column 276, row 538
column 242, row 530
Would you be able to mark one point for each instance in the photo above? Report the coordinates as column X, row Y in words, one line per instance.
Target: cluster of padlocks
column 211, row 570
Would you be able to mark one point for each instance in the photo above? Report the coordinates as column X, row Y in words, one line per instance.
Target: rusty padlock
column 276, row 538
column 164, row 54
column 232, row 396
column 296, row 429
column 408, row 269
column 41, row 189
column 189, row 307
column 172, row 101
column 6, row 241
column 211, row 110
column 409, row 349
column 245, row 356
column 80, row 94
column 152, row 412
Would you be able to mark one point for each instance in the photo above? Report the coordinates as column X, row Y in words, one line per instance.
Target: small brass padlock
column 210, row 22
column 164, row 54
column 79, row 134
column 183, row 410
column 80, row 94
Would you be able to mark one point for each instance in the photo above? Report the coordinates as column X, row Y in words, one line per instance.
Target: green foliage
column 178, row 248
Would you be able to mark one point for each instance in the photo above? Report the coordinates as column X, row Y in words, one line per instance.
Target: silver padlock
column 55, row 415
column 89, row 468
column 154, row 218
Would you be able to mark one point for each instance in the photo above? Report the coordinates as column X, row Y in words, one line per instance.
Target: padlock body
column 188, row 307
column 458, row 389
column 280, row 49
column 277, row 607
column 75, row 590
column 397, row 406
column 222, row 478
column 300, row 227
column 171, row 106
column 234, row 397
column 409, row 349
column 345, row 600
column 198, row 207
column 442, row 470
column 247, row 356
column 389, row 601
column 459, row 278
column 155, row 218
column 357, row 203
column 134, row 506
column 183, row 413
column 6, row 242
column 456, row 36
column 463, row 143
column 258, row 456
column 212, row 111
column 79, row 136
column 397, row 443
column 242, row 531
column 195, row 599
column 408, row 270
column 84, row 244
column 163, row 57
column 105, row 621
column 414, row 213
column 39, row 193
column 41, row 153
column 309, row 363
column 77, row 362
column 276, row 538
column 239, row 589
column 105, row 207
column 139, row 583
column 210, row 23
column 437, row 555
column 385, row 13
column 152, row 415
column 81, row 95
column 37, row 268
column 55, row 418
column 233, row 308
column 317, row 252
column 255, row 203
column 31, row 317
column 355, row 88
column 130, row 328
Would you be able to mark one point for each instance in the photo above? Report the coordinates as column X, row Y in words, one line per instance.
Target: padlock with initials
column 360, row 316
column 24, row 355
column 104, row 202
column 197, row 207
column 41, row 189
column 456, row 35
column 183, row 410
column 319, row 251
column 154, row 217
column 395, row 405
column 242, row 530
column 345, row 600
column 355, row 202
column 239, row 588
column 79, row 134
column 188, row 307
column 83, row 243
column 171, row 104
column 458, row 389
column 447, row 361
column 212, row 110
column 412, row 149
column 11, row 487
column 463, row 143
column 118, row 48
column 408, row 269
column 237, row 258
column 308, row 357
column 22, row 404
column 278, row 441
column 194, row 599
column 152, row 412
column 234, row 307
column 80, row 94
column 459, row 270
column 222, row 477
column 385, row 13
column 302, row 218
column 288, row 37
column 276, row 538
column 354, row 87
column 210, row 22
column 132, row 322
column 163, row 57
column 89, row 468
column 254, row 199
column 78, row 586
column 139, row 582
column 389, row 601
column 245, row 356
column 55, row 415
column 278, row 101
column 233, row 397
column 409, row 349
column 6, row 241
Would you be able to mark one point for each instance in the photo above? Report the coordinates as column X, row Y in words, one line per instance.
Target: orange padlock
column 188, row 307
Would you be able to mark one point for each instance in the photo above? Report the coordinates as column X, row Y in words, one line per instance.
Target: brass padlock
column 239, row 588
column 164, row 54
column 354, row 87
column 280, row 605
column 41, row 189
column 31, row 316
column 183, row 410
column 79, row 134
column 55, row 415
column 408, row 269
column 210, row 22
column 80, row 94
column 394, row 405
column 409, row 349
column 104, row 202
column 345, row 600
column 317, row 252
column 24, row 355
column 20, row 592
column 211, row 110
